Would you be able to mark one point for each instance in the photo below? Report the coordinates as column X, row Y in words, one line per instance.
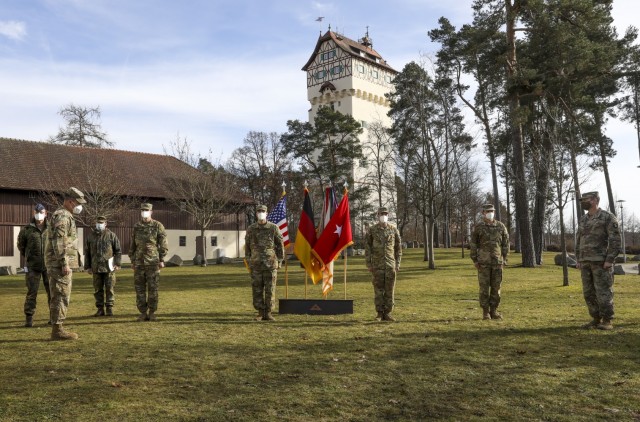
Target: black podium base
column 315, row 306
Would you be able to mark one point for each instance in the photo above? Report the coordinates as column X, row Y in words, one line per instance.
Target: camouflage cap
column 488, row 207
column 76, row 195
column 39, row 208
column 101, row 219
column 590, row 195
column 262, row 208
column 383, row 210
column 145, row 206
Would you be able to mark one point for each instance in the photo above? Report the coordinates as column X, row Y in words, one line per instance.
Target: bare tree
column 206, row 194
column 82, row 129
column 378, row 150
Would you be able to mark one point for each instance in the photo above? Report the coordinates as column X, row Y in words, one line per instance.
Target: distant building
column 352, row 78
column 31, row 171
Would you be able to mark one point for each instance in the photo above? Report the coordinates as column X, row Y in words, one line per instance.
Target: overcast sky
column 212, row 70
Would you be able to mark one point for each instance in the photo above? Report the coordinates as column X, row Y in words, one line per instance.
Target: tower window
column 374, row 73
column 360, row 68
column 328, row 55
column 336, row 70
column 320, row 74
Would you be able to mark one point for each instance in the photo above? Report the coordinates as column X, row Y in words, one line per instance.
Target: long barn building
column 33, row 172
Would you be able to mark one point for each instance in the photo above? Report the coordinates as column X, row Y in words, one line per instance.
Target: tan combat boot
column 109, row 311
column 591, row 324
column 494, row 314
column 485, row 313
column 100, row 312
column 267, row 316
column 29, row 321
column 388, row 317
column 143, row 317
column 379, row 316
column 152, row 316
column 605, row 325
column 58, row 333
column 259, row 316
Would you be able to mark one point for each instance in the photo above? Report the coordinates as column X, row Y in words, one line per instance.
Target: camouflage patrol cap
column 590, row 195
column 488, row 207
column 145, row 206
column 383, row 210
column 262, row 208
column 101, row 219
column 76, row 195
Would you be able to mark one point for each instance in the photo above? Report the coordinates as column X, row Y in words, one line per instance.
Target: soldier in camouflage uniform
column 61, row 255
column 383, row 250
column 264, row 251
column 598, row 244
column 489, row 251
column 31, row 240
column 101, row 246
column 147, row 251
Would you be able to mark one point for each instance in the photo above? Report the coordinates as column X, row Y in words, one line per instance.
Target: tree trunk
column 204, row 248
column 603, row 157
column 519, row 182
column 542, row 186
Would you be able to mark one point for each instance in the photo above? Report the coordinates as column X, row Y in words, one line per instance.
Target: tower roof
column 362, row 50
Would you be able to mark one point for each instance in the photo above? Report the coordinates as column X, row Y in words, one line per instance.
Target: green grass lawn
column 206, row 359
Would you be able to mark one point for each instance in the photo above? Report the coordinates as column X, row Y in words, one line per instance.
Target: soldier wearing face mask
column 489, row 250
column 598, row 245
column 31, row 242
column 102, row 256
column 147, row 251
column 61, row 255
column 383, row 251
column 264, row 251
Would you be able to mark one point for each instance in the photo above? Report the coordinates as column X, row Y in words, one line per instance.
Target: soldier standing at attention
column 383, row 251
column 264, row 249
column 598, row 244
column 102, row 256
column 61, row 255
column 147, row 251
column 489, row 250
column 31, row 240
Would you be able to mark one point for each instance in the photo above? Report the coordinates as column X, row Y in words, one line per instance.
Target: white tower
column 352, row 78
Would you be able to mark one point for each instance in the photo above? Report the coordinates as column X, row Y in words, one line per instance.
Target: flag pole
column 286, row 262
column 306, row 276
column 345, row 254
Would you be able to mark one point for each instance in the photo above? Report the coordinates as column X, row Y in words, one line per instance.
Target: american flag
column 278, row 216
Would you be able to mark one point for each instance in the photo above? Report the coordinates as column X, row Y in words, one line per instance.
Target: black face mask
column 585, row 205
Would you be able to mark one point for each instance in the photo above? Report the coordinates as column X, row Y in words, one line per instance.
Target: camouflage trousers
column 146, row 279
column 384, row 284
column 104, row 284
column 597, row 288
column 263, row 285
column 489, row 281
column 60, row 286
column 33, row 284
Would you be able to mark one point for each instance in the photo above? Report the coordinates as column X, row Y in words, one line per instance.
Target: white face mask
column 262, row 216
column 77, row 209
column 145, row 214
column 39, row 216
column 489, row 216
column 101, row 226
column 383, row 218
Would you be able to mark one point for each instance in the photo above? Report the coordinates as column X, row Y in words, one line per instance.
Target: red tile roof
column 353, row 48
column 41, row 166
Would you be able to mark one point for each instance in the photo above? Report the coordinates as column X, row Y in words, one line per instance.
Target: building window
column 363, row 124
column 183, row 240
column 361, row 68
column 320, row 74
column 336, row 70
column 374, row 73
column 328, row 55
column 214, row 240
column 387, row 79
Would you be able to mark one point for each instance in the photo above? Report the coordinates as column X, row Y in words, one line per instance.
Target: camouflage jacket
column 99, row 247
column 382, row 247
column 263, row 246
column 31, row 242
column 61, row 241
column 598, row 237
column 148, row 243
column 489, row 243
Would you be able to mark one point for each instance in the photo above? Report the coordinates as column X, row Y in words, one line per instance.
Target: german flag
column 306, row 239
